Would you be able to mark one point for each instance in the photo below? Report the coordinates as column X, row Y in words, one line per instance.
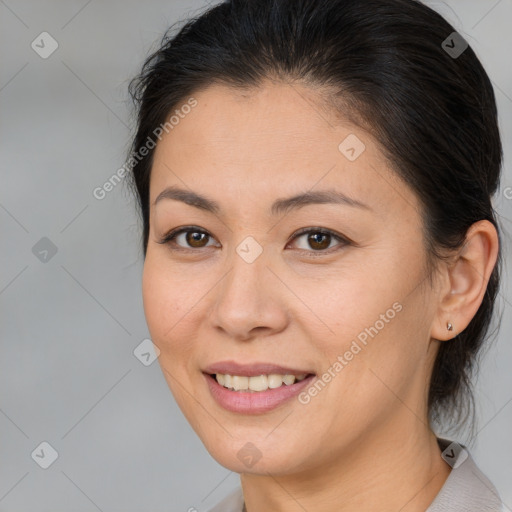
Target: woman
column 321, row 252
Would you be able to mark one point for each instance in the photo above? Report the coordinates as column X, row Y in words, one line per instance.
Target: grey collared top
column 466, row 489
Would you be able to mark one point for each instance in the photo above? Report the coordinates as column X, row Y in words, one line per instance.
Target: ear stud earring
column 449, row 326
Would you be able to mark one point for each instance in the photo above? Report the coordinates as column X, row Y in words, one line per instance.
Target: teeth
column 240, row 382
column 289, row 379
column 275, row 381
column 259, row 383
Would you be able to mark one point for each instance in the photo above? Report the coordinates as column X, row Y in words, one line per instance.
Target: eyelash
column 171, row 236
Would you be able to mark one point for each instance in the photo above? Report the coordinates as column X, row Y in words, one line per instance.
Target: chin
column 254, row 457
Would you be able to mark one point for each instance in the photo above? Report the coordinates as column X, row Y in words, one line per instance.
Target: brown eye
column 319, row 241
column 187, row 238
column 196, row 238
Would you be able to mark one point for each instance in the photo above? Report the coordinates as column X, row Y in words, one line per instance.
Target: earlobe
column 467, row 279
column 446, row 333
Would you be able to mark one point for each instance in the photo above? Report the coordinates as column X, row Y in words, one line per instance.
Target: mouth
column 256, row 394
column 257, row 383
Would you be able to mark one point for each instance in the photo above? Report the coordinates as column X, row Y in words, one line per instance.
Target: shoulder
column 466, row 488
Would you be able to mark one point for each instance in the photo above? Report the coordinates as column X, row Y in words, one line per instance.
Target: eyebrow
column 280, row 206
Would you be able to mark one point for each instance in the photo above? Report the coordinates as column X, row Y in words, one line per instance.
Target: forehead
column 275, row 139
column 265, row 120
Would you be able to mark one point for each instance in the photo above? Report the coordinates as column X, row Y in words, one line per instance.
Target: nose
column 249, row 301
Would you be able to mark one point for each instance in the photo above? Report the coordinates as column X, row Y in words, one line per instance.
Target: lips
column 253, row 369
column 255, row 401
column 259, row 402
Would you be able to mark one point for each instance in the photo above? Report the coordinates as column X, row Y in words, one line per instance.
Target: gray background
column 69, row 325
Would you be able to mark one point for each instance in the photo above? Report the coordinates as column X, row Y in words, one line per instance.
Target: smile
column 258, row 383
column 261, row 400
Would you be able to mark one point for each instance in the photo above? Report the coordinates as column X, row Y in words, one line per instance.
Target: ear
column 465, row 280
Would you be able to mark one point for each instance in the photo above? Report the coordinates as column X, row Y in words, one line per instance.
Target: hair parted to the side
column 380, row 63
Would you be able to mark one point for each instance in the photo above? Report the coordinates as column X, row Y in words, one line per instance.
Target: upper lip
column 252, row 369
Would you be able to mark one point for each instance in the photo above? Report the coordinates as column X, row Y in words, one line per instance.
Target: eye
column 189, row 237
column 320, row 240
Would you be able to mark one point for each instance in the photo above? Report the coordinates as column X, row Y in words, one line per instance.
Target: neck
column 398, row 468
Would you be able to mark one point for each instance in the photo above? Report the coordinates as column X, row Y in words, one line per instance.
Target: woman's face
column 244, row 287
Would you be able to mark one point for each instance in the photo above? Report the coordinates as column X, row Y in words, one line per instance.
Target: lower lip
column 257, row 402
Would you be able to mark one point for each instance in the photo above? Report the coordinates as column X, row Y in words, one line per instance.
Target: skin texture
column 363, row 443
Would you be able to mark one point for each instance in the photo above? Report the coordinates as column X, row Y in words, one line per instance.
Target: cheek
column 379, row 332
column 165, row 309
column 165, row 305
column 351, row 300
